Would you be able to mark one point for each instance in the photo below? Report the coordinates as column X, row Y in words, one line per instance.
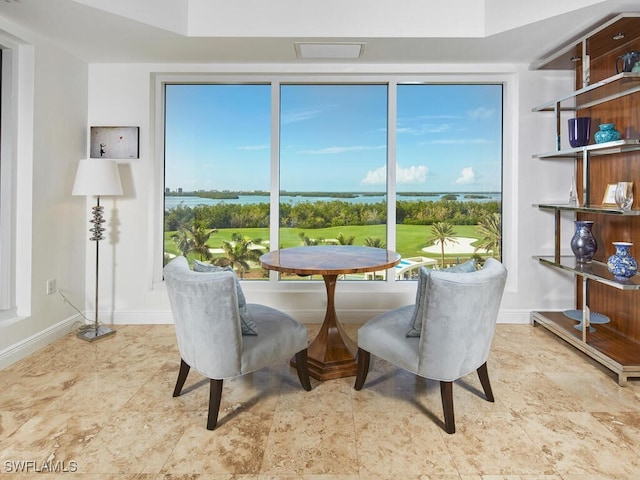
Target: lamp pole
column 97, row 178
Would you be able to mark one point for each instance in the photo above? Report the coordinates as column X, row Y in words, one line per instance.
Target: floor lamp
column 97, row 177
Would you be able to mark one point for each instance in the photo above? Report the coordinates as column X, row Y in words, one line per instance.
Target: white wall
column 69, row 96
column 122, row 94
column 51, row 233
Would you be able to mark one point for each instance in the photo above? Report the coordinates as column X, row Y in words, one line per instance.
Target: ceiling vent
column 328, row 51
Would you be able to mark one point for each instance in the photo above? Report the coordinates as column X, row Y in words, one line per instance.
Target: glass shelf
column 594, row 150
column 608, row 89
column 595, row 271
column 599, row 209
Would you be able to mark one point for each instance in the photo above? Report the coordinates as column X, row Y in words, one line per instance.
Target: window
column 326, row 152
column 217, row 162
column 448, row 174
column 333, row 144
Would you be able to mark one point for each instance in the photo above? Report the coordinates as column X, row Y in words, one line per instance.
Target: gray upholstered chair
column 208, row 328
column 455, row 316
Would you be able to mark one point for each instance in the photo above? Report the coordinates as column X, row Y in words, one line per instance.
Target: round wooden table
column 332, row 354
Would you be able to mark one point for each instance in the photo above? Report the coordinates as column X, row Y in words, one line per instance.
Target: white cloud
column 460, row 141
column 254, row 147
column 424, row 129
column 291, row 117
column 335, row 150
column 467, row 176
column 412, row 174
column 375, row 177
column 409, row 175
column 481, row 113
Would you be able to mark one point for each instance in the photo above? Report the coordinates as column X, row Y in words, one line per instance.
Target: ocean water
column 173, row 201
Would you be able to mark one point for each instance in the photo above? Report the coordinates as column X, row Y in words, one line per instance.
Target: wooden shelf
column 594, row 150
column 611, row 88
column 599, row 38
column 596, row 271
column 622, row 354
column 603, row 210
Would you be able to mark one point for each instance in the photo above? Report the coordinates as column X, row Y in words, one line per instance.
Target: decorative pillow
column 246, row 320
column 423, row 281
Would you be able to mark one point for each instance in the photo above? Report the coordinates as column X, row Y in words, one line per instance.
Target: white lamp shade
column 97, row 177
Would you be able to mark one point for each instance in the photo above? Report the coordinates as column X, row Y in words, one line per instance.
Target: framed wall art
column 114, row 142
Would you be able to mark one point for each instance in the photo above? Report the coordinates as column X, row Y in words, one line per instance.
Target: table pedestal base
column 332, row 354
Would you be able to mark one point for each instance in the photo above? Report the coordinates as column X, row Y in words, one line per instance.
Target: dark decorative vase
column 579, row 131
column 607, row 133
column 583, row 244
column 621, row 264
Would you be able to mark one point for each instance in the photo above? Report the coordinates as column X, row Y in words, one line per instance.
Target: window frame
column 509, row 167
column 16, row 178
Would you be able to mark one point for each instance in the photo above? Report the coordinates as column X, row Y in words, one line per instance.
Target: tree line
column 324, row 214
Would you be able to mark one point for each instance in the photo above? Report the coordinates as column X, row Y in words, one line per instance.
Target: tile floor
column 105, row 410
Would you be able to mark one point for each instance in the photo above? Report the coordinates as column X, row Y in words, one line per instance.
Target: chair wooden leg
column 483, row 374
column 364, row 358
column 303, row 369
column 182, row 377
column 446, row 392
column 215, row 395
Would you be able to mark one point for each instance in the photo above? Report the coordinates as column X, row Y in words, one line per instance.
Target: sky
column 334, row 137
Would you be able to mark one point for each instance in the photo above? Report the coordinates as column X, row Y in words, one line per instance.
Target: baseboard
column 20, row 350
column 305, row 316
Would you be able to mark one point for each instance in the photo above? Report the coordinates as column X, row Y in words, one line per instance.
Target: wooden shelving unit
column 607, row 97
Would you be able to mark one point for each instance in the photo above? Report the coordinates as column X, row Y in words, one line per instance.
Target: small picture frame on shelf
column 609, row 198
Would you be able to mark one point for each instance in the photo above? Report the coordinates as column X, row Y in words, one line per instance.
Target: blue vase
column 607, row 133
column 583, row 244
column 621, row 264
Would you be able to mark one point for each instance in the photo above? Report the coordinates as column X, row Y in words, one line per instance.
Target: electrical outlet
column 51, row 286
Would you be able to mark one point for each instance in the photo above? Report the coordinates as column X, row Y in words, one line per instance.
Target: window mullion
column 274, row 218
column 391, row 165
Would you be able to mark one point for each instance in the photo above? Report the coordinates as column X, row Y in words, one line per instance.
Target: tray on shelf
column 594, row 317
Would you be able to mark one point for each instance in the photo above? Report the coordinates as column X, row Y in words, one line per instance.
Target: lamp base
column 92, row 334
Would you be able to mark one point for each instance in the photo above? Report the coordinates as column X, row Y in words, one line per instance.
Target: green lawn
column 410, row 238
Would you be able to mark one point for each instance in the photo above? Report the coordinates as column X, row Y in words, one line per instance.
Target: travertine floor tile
column 576, row 442
column 306, row 443
column 494, row 444
column 108, row 406
column 401, row 444
column 237, row 445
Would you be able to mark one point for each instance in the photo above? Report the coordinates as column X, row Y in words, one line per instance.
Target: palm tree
column 306, row 241
column 238, row 253
column 490, row 228
column 442, row 232
column 194, row 238
column 342, row 240
column 201, row 236
column 183, row 241
column 374, row 242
